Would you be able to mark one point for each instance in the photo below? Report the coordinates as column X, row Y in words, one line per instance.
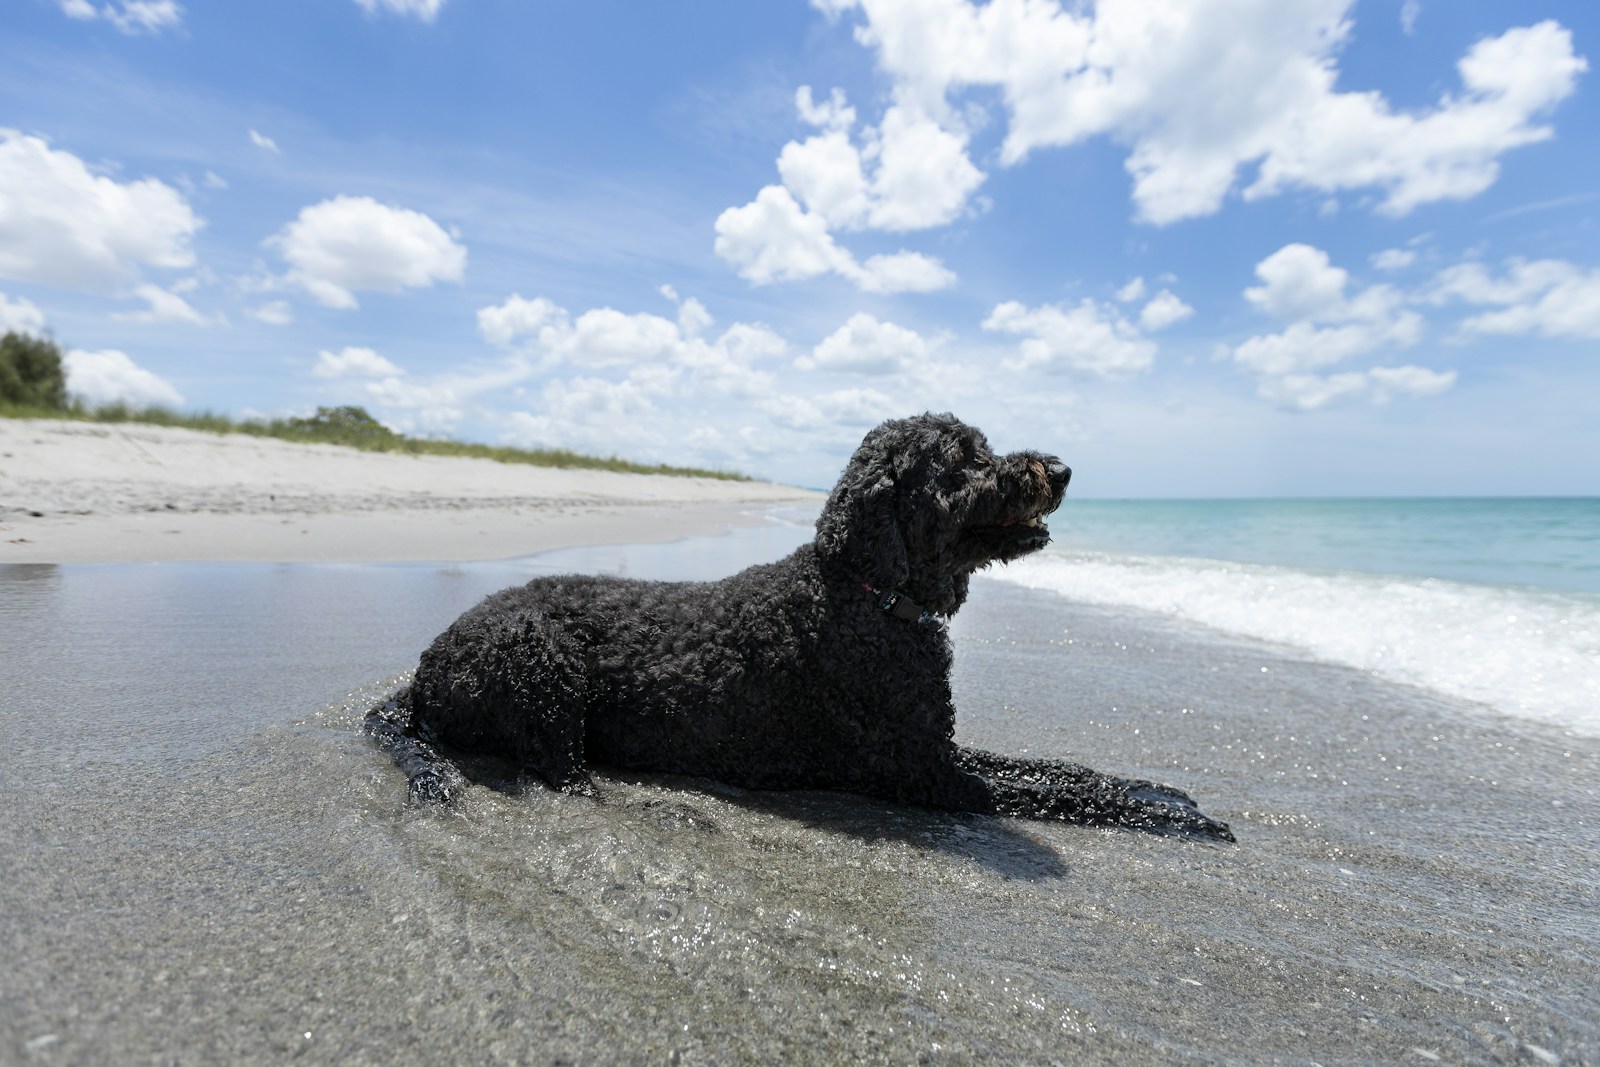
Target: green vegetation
column 30, row 372
column 32, row 385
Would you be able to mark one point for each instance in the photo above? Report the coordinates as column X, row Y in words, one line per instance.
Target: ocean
column 204, row 861
column 1495, row 601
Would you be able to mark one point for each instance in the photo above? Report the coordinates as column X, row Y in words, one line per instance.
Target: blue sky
column 1196, row 247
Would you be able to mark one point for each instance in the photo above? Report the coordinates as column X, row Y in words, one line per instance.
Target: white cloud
column 909, row 172
column 863, row 345
column 110, row 376
column 606, row 380
column 1393, row 259
column 835, row 114
column 605, row 337
column 1546, row 298
column 1301, row 282
column 354, row 243
column 425, row 10
column 163, row 306
column 1309, row 392
column 63, row 225
column 1131, row 292
column 1204, row 91
column 773, row 239
column 1164, row 309
column 273, row 313
column 1328, row 326
column 851, row 409
column 518, row 317
column 353, row 362
column 129, row 16
column 20, row 315
column 262, row 141
column 923, row 176
column 901, row 272
column 1090, row 338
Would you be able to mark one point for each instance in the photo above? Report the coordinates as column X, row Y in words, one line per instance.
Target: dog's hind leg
column 431, row 778
column 1054, row 789
column 510, row 685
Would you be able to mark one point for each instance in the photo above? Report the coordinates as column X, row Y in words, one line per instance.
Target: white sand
column 74, row 492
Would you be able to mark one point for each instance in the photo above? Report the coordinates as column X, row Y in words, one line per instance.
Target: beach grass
column 351, row 427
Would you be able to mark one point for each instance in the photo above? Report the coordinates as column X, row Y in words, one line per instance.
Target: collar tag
column 900, row 606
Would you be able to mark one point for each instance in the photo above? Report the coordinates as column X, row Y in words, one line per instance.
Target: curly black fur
column 789, row 675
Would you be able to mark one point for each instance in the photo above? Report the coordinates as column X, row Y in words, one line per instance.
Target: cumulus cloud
column 262, row 141
column 63, row 225
column 425, row 10
column 774, row 239
column 907, row 173
column 1544, row 298
column 1328, row 325
column 546, row 334
column 1090, row 338
column 129, row 16
column 20, row 315
column 863, row 345
column 624, row 362
column 110, row 377
column 518, row 318
column 352, row 243
column 353, row 362
column 1164, row 309
column 1203, row 92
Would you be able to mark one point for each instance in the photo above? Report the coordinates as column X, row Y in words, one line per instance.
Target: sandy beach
column 74, row 492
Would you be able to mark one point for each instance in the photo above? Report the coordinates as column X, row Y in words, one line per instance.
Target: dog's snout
column 1060, row 473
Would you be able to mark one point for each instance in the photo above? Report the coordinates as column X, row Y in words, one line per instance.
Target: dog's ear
column 858, row 529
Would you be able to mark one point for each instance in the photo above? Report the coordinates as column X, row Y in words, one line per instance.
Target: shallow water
column 205, row 862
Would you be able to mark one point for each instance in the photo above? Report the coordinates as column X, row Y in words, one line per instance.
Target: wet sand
column 75, row 492
column 207, row 863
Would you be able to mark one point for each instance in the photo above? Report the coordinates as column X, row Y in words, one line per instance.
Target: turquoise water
column 1496, row 601
column 1546, row 542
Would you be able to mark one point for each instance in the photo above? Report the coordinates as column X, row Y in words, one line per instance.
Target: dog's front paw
column 1167, row 810
column 1157, row 794
column 432, row 787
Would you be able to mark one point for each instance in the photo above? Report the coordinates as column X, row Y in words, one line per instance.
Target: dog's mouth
column 1027, row 530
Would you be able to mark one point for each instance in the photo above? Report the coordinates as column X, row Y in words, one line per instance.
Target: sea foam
column 1524, row 652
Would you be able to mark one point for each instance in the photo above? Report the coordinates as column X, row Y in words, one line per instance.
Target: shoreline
column 75, row 492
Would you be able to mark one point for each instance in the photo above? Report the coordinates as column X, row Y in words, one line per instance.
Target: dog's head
column 923, row 503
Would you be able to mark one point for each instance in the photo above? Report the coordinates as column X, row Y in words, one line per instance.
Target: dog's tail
column 433, row 779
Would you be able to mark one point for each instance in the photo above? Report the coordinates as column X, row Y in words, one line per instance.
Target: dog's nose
column 1060, row 473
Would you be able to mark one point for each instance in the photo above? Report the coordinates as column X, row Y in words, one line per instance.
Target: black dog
column 826, row 670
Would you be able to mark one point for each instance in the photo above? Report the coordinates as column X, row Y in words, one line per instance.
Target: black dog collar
column 900, row 606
